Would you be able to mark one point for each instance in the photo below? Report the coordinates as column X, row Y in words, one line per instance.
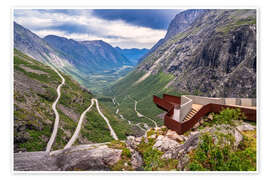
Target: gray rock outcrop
column 91, row 157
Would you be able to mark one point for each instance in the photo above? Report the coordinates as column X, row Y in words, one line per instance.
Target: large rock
column 245, row 127
column 174, row 136
column 238, row 137
column 163, row 143
column 183, row 162
column 174, row 150
column 224, row 129
column 136, row 160
column 84, row 157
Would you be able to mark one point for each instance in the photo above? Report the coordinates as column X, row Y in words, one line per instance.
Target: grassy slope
column 95, row 129
column 125, row 90
column 32, row 107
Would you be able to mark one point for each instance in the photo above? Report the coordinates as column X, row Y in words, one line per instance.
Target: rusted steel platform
column 169, row 102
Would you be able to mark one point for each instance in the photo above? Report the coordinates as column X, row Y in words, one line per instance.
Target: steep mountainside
column 109, row 56
column 32, row 45
column 216, row 56
column 133, row 54
column 34, row 92
column 183, row 21
column 180, row 23
column 75, row 52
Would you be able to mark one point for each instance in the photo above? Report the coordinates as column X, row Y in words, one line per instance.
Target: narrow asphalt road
column 141, row 115
column 78, row 128
column 56, row 122
column 107, row 121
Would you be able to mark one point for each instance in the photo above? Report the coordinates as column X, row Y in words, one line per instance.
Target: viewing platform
column 185, row 111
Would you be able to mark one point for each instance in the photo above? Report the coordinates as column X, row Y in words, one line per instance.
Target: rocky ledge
column 158, row 149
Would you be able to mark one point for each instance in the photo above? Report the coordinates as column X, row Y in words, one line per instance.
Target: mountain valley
column 106, row 103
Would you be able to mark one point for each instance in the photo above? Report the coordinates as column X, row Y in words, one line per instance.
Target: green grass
column 21, row 59
column 36, row 142
column 126, row 89
column 65, row 124
column 120, row 126
column 124, row 164
column 95, row 128
column 235, row 24
column 73, row 96
column 33, row 108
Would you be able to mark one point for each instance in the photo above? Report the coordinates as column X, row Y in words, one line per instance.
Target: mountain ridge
column 94, row 64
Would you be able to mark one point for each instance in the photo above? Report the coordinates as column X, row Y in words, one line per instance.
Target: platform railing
column 182, row 127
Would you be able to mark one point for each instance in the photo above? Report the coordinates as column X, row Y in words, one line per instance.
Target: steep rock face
column 182, row 21
column 216, row 56
column 25, row 41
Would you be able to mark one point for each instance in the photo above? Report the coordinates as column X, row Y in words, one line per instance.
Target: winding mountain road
column 56, row 121
column 107, row 121
column 141, row 115
column 78, row 128
column 122, row 117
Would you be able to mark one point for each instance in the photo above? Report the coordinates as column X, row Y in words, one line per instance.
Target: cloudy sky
column 131, row 28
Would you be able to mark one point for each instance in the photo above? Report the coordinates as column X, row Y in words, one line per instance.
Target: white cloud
column 117, row 32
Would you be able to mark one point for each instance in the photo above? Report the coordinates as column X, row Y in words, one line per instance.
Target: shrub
column 226, row 116
column 152, row 159
column 126, row 152
column 222, row 156
column 117, row 144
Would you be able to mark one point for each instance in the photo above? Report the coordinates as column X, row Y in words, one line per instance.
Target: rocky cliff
column 209, row 52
